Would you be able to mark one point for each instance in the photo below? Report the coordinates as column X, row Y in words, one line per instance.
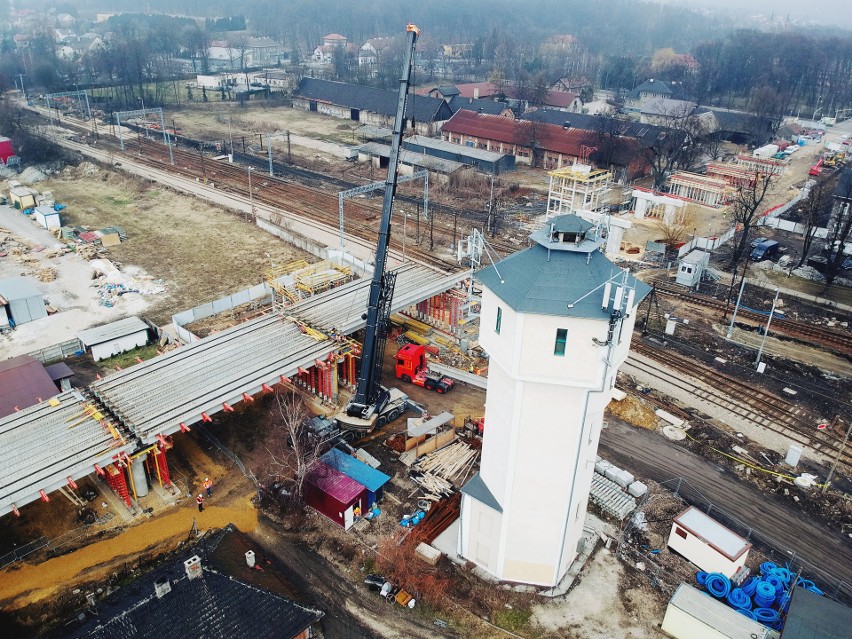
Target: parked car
column 374, row 582
column 766, row 250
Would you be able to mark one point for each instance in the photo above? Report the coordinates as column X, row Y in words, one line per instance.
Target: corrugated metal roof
column 545, row 282
column 412, row 158
column 477, row 489
column 23, row 381
column 491, row 107
column 369, row 477
column 60, row 370
column 333, row 482
column 443, row 145
column 18, row 288
column 155, row 397
column 111, row 331
column 724, row 540
column 41, row 446
column 717, row 615
column 375, row 100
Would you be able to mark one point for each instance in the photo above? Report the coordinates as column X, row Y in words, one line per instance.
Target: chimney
column 476, row 93
column 193, row 567
column 162, row 587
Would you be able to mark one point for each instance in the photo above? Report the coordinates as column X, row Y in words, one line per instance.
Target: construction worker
column 208, row 486
column 200, row 501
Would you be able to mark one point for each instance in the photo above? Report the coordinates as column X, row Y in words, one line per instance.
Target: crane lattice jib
column 381, row 288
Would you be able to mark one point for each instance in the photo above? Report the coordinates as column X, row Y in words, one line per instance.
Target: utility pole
column 289, row 155
column 23, row 92
column 766, row 332
column 251, row 195
column 230, row 137
column 490, row 205
column 736, row 308
column 838, row 455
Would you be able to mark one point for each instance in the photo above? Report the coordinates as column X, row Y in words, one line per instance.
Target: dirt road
column 773, row 522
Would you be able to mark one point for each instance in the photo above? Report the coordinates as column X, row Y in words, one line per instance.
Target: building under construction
column 578, row 187
column 702, row 189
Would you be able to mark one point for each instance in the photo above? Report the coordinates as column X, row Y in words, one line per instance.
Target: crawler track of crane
column 832, row 340
column 750, row 403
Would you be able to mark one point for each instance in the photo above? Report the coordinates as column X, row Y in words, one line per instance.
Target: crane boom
column 370, row 397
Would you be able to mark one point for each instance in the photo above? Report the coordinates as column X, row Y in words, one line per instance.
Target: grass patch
column 129, row 358
column 513, row 620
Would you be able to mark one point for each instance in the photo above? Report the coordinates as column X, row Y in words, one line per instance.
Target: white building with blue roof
column 556, row 323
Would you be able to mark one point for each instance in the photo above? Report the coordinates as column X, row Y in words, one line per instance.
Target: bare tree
column 839, row 227
column 293, row 451
column 663, row 155
column 745, row 208
column 815, row 208
column 677, row 227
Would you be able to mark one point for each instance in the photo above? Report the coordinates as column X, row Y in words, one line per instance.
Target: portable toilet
column 692, row 267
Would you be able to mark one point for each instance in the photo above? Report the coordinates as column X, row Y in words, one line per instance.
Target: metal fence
column 227, row 452
column 57, row 352
column 832, row 585
column 51, row 546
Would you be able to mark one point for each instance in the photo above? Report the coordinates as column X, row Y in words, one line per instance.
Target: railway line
column 316, row 203
column 832, row 340
column 750, row 403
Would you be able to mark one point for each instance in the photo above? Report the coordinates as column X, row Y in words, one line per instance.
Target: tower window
column 499, row 320
column 561, row 340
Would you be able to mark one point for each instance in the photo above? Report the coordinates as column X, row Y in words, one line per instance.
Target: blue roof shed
column 372, row 479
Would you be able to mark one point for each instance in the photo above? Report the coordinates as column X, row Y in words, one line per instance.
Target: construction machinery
column 373, row 404
column 412, row 367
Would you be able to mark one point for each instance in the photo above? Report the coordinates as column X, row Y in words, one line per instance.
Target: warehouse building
column 486, row 161
column 115, row 338
column 707, row 543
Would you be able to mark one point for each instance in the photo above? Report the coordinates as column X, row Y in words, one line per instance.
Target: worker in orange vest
column 208, row 486
column 200, row 501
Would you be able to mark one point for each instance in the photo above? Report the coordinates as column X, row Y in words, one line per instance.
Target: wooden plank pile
column 437, row 471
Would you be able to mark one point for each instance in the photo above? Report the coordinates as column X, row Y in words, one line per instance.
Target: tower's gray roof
column 545, row 282
column 570, row 224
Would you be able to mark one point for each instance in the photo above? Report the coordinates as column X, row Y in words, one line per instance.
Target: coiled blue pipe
column 718, row 585
column 783, row 574
column 747, row 613
column 701, row 577
column 767, row 567
column 738, row 599
column 766, row 615
column 750, row 585
column 764, row 594
column 776, row 582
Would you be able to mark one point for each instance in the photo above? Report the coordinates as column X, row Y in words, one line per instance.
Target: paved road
column 774, row 522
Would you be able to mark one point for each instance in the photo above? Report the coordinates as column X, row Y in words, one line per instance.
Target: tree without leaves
column 677, row 227
column 814, row 209
column 745, row 208
column 839, row 227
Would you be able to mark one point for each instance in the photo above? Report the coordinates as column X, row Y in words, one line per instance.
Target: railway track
column 836, row 341
column 750, row 403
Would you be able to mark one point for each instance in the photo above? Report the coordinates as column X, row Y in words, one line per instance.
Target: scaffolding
column 299, row 280
column 702, row 189
column 733, row 174
column 578, row 187
column 759, row 165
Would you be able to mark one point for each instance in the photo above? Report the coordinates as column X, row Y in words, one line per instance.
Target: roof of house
column 654, row 86
column 477, row 489
column 560, row 99
column 334, row 36
column 382, row 101
column 353, row 468
column 218, row 603
column 548, row 137
column 111, row 331
column 812, row 616
column 60, row 370
column 715, row 614
column 482, row 89
column 23, row 382
column 443, row 145
column 739, row 122
column 555, row 282
column 333, row 482
column 18, row 288
column 645, row 133
column 724, row 540
column 447, row 90
column 667, row 107
column 491, row 107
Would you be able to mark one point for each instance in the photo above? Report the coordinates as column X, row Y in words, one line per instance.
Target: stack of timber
column 436, row 471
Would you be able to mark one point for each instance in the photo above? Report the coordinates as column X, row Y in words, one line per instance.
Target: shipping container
column 333, row 494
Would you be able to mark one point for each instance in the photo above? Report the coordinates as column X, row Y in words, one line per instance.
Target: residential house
column 739, row 127
column 456, row 51
column 369, row 105
column 222, row 55
column 263, row 51
column 489, row 107
column 325, row 51
column 371, row 52
column 24, row 382
column 571, row 84
column 542, row 144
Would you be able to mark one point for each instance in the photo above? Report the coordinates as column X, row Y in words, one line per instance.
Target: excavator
column 373, row 404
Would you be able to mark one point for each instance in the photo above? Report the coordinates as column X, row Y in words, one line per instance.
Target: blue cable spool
column 783, row 574
column 764, row 594
column 749, row 586
column 738, row 599
column 701, row 577
column 747, row 613
column 777, row 583
column 767, row 567
column 766, row 615
column 718, row 585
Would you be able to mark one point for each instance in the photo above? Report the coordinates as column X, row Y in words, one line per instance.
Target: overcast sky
column 829, row 12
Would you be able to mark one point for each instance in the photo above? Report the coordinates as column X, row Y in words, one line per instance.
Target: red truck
column 411, row 366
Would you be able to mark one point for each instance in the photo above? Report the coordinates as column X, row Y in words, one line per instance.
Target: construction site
column 253, row 341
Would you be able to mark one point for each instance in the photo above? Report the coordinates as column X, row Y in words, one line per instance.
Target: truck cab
column 412, row 367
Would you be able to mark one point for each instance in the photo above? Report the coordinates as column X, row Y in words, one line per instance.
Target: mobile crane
column 373, row 404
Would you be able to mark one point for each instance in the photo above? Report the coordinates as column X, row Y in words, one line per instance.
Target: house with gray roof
column 370, row 105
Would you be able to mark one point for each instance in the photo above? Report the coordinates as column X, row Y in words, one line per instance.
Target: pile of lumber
column 434, row 487
column 438, row 519
column 448, row 462
column 46, row 274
